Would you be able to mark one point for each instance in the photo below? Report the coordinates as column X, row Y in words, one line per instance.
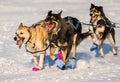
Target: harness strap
column 75, row 26
column 35, row 25
column 112, row 25
column 36, row 51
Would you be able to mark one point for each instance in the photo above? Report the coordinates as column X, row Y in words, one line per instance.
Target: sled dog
column 65, row 33
column 101, row 27
column 34, row 37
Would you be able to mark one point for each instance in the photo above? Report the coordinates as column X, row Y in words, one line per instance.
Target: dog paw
column 93, row 47
column 60, row 64
column 72, row 63
column 115, row 54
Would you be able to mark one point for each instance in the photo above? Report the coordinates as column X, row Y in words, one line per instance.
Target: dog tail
column 82, row 36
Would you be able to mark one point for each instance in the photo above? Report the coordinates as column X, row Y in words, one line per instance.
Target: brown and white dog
column 35, row 38
column 101, row 28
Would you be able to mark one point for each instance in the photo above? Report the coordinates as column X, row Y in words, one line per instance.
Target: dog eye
column 21, row 33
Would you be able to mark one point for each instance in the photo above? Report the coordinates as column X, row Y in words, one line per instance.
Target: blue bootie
column 60, row 64
column 72, row 63
column 93, row 47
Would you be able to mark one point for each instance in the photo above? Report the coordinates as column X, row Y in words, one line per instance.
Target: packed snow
column 16, row 64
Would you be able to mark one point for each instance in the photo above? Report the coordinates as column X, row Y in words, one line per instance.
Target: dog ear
column 99, row 8
column 50, row 12
column 32, row 25
column 21, row 24
column 92, row 5
column 59, row 14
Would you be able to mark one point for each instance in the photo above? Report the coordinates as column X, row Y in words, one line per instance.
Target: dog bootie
column 60, row 56
column 60, row 63
column 35, row 69
column 72, row 63
column 93, row 47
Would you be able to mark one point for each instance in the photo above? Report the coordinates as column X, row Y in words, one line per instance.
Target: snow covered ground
column 16, row 64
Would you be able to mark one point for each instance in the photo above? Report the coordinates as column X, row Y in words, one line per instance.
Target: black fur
column 69, row 26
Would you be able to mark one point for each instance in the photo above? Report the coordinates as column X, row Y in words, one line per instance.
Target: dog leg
column 110, row 38
column 99, row 31
column 100, row 42
column 72, row 62
column 74, row 46
column 66, row 54
column 35, row 58
column 52, row 51
column 91, row 31
column 59, row 62
column 41, row 61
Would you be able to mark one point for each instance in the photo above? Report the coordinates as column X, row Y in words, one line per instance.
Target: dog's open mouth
column 20, row 42
column 50, row 26
column 93, row 18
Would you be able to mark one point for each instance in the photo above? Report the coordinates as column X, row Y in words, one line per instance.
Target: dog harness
column 76, row 27
column 35, row 25
column 27, row 50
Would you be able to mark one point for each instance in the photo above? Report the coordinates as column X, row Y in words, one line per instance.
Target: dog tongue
column 93, row 18
column 48, row 26
column 19, row 43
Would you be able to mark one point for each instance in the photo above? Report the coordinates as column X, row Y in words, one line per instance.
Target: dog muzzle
column 19, row 41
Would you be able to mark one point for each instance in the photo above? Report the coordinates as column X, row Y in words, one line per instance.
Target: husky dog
column 101, row 27
column 35, row 38
column 65, row 34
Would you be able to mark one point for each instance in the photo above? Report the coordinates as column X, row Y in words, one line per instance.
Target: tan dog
column 34, row 37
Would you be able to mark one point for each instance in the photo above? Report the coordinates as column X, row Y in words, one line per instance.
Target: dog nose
column 15, row 38
column 45, row 20
column 90, row 14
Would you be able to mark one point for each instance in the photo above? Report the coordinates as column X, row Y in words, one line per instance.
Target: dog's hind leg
column 112, row 41
column 74, row 46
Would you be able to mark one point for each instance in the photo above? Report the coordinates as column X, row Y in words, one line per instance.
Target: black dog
column 65, row 33
column 102, row 28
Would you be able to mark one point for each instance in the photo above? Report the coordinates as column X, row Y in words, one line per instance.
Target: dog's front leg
column 35, row 58
column 41, row 61
column 91, row 31
column 99, row 43
column 52, row 51
column 64, row 52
